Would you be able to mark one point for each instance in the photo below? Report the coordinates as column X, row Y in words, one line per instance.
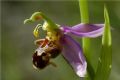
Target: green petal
column 41, row 16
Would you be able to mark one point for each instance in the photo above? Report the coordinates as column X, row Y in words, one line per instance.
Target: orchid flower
column 62, row 37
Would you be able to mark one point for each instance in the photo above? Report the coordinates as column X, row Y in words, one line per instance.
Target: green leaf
column 105, row 60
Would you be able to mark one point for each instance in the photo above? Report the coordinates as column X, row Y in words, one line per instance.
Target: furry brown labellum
column 46, row 50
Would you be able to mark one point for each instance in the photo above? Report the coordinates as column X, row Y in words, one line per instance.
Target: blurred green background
column 18, row 40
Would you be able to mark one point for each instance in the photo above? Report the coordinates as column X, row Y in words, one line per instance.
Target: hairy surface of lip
column 40, row 61
column 43, row 54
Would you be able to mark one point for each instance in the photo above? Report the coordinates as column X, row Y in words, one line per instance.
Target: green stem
column 84, row 11
column 86, row 41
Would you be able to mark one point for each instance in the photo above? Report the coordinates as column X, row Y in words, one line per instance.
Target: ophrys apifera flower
column 59, row 40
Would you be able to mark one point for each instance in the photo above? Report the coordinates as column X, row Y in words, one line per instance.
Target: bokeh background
column 18, row 40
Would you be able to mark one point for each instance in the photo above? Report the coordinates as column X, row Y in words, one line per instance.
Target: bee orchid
column 62, row 37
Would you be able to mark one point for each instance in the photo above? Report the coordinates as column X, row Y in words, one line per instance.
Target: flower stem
column 86, row 41
column 84, row 11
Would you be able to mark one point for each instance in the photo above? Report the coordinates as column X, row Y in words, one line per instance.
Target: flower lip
column 39, row 62
column 46, row 50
